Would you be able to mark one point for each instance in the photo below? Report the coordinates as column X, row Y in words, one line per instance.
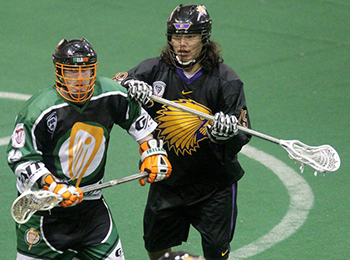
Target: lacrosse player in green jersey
column 59, row 144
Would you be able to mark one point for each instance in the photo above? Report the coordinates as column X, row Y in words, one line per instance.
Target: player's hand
column 154, row 160
column 223, row 128
column 71, row 195
column 139, row 91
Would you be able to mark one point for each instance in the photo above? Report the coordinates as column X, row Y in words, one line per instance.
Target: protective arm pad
column 29, row 175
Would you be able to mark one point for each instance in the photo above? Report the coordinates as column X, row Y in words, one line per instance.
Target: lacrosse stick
column 30, row 202
column 322, row 158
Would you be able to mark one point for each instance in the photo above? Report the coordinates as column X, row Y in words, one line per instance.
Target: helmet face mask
column 75, row 83
column 186, row 48
column 75, row 64
column 189, row 20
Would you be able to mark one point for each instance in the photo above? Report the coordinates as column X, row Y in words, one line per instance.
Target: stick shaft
column 211, row 118
column 114, row 182
column 24, row 218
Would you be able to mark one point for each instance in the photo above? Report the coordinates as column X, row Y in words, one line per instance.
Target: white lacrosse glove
column 223, row 128
column 71, row 195
column 154, row 160
column 139, row 91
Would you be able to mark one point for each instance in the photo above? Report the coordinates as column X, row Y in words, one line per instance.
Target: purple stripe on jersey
column 189, row 80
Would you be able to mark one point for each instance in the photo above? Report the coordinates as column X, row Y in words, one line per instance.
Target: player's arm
column 232, row 112
column 145, row 139
column 153, row 156
column 26, row 162
column 138, row 81
column 22, row 157
column 138, row 90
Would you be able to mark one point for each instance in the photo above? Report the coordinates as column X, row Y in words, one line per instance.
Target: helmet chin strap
column 185, row 63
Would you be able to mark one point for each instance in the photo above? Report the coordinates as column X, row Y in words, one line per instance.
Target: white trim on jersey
column 111, row 93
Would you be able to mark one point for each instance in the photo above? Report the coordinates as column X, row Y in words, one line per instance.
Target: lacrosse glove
column 71, row 195
column 154, row 160
column 139, row 91
column 223, row 128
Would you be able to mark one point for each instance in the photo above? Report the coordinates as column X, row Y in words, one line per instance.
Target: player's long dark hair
column 211, row 60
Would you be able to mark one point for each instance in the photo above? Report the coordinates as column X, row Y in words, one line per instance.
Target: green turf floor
column 293, row 57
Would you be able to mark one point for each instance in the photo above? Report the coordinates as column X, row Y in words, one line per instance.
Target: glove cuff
column 152, row 151
column 151, row 147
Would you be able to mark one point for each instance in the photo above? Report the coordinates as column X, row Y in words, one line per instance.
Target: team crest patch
column 182, row 131
column 158, row 88
column 18, row 136
column 51, row 122
column 32, row 237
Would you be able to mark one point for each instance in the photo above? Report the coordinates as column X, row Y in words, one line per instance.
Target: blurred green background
column 293, row 57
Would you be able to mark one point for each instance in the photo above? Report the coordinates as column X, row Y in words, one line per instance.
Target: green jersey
column 70, row 141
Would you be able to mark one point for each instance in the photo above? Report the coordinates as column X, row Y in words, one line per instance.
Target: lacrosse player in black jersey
column 202, row 189
column 60, row 144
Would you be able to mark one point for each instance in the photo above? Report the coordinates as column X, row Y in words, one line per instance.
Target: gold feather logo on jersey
column 82, row 152
column 181, row 130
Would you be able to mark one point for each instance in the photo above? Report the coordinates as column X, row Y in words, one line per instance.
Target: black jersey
column 54, row 135
column 195, row 159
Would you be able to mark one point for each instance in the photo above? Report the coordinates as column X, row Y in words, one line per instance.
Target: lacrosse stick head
column 29, row 202
column 322, row 158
